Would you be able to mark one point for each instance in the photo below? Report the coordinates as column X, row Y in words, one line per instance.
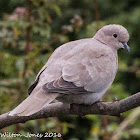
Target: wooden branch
column 57, row 109
column 126, row 124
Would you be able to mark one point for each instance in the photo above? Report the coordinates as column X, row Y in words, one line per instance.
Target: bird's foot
column 120, row 115
column 99, row 101
column 71, row 106
column 115, row 99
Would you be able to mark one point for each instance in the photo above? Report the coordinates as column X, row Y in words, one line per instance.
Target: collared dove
column 78, row 72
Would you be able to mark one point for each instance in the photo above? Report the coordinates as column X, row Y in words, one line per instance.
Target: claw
column 100, row 101
column 71, row 106
column 115, row 99
column 119, row 115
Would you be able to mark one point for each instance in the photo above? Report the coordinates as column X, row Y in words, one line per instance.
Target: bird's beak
column 126, row 47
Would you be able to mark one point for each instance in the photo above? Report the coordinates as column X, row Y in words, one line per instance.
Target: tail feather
column 33, row 103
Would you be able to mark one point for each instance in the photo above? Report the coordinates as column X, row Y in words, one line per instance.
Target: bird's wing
column 61, row 51
column 62, row 86
column 93, row 68
column 85, row 68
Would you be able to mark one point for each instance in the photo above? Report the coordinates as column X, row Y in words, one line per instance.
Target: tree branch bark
column 57, row 109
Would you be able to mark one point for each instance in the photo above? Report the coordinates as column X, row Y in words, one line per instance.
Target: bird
column 77, row 72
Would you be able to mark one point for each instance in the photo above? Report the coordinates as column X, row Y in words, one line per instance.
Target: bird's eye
column 115, row 35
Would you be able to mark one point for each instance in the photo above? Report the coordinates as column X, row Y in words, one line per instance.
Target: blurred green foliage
column 29, row 33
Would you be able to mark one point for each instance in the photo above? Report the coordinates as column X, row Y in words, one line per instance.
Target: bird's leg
column 72, row 108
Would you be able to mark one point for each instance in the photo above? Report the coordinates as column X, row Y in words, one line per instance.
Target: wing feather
column 62, row 86
column 78, row 67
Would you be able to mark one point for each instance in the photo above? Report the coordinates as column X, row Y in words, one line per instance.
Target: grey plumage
column 77, row 72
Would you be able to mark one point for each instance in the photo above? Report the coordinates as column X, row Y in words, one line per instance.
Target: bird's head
column 115, row 36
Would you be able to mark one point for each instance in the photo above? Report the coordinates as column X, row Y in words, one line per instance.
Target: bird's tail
column 33, row 103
